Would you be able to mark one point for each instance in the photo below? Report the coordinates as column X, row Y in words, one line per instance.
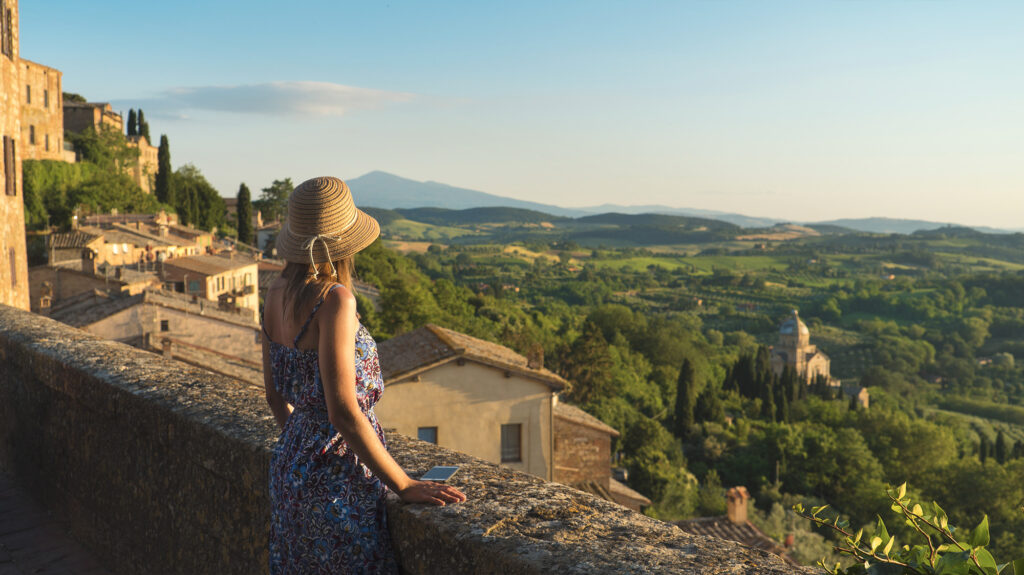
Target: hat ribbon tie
column 308, row 245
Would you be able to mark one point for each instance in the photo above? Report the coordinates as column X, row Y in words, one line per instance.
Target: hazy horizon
column 801, row 111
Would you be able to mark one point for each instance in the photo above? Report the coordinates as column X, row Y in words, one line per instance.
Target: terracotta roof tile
column 621, row 489
column 433, row 344
column 722, row 528
column 577, row 415
column 208, row 264
column 74, row 239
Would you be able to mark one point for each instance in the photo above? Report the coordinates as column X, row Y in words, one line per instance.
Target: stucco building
column 230, row 280
column 14, row 288
column 42, row 113
column 486, row 400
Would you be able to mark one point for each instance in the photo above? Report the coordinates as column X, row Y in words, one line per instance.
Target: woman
column 330, row 469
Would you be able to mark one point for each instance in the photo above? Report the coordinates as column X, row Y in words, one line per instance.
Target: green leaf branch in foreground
column 943, row 551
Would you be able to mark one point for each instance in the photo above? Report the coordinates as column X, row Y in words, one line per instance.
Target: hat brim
column 351, row 241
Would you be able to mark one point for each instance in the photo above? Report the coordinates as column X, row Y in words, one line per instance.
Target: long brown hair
column 301, row 285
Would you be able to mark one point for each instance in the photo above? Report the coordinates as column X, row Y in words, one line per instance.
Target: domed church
column 795, row 350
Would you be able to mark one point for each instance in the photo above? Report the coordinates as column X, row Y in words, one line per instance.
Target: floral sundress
column 327, row 508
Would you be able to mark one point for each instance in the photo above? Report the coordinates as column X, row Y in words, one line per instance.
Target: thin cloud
column 275, row 99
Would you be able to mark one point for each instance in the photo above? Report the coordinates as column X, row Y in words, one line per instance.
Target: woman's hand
column 431, row 492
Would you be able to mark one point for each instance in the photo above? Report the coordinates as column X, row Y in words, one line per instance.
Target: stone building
column 14, row 288
column 42, row 113
column 80, row 116
column 52, row 285
column 175, row 325
column 794, row 350
column 486, row 400
column 119, row 245
column 143, row 170
column 230, row 280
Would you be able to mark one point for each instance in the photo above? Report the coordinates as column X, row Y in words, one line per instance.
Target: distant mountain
column 899, row 226
column 445, row 217
column 384, row 190
column 738, row 219
column 388, row 191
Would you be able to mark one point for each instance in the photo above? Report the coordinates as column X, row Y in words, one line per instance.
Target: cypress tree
column 983, row 448
column 709, row 406
column 685, row 398
column 245, row 231
column 163, row 191
column 143, row 129
column 1000, row 450
column 768, row 405
column 132, row 122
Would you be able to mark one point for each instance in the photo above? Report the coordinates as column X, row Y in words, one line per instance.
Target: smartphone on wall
column 440, row 473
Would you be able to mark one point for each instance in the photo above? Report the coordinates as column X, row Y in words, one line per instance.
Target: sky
column 804, row 111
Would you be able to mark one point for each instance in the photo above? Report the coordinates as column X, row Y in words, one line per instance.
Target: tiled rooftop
column 433, row 345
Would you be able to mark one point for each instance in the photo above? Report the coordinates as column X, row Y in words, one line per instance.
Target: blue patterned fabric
column 327, row 508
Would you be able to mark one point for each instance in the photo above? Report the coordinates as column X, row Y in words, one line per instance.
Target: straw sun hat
column 323, row 224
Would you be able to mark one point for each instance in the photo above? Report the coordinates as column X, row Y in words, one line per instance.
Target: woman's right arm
column 338, row 325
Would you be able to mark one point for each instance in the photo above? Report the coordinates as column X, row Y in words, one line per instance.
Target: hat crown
column 321, row 206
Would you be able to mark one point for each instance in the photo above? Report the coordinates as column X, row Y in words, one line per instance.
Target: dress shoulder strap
column 305, row 326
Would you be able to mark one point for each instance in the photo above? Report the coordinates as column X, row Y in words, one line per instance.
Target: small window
column 193, row 286
column 115, row 249
column 47, row 138
column 28, row 94
column 10, row 173
column 511, row 442
column 13, row 255
column 32, row 135
column 165, row 325
column 46, row 98
column 428, row 434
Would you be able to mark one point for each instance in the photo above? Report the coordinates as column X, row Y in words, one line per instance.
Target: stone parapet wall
column 162, row 468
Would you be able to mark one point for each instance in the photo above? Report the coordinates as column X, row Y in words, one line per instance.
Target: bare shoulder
column 340, row 299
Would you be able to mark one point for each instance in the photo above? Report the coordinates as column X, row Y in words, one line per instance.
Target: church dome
column 793, row 326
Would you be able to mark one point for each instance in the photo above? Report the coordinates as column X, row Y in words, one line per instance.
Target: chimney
column 163, row 230
column 535, row 357
column 738, row 498
column 790, row 540
column 88, row 261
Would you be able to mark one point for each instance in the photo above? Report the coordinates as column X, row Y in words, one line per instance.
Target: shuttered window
column 10, row 170
column 511, row 442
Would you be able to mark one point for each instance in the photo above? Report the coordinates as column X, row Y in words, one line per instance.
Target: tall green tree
column 143, row 129
column 273, row 202
column 588, row 366
column 164, row 193
column 709, row 405
column 244, row 212
column 686, row 392
column 133, row 122
column 198, row 203
column 1000, row 448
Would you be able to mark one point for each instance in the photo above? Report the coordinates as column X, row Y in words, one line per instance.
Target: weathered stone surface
column 162, row 468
